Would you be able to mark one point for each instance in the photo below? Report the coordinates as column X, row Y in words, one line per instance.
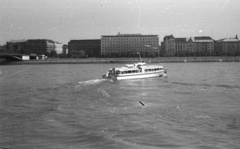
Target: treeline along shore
column 123, row 60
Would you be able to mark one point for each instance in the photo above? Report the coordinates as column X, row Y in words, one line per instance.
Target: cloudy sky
column 64, row 20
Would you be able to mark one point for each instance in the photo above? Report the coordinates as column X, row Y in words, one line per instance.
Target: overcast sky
column 64, row 20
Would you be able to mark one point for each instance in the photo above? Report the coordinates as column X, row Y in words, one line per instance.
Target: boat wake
column 92, row 82
column 103, row 92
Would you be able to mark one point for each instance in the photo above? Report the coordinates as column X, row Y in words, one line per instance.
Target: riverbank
column 124, row 60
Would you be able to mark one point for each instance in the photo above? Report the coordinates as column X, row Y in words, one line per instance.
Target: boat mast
column 139, row 56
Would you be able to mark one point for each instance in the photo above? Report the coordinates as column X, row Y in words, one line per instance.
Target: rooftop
column 229, row 40
column 49, row 40
column 129, row 35
column 168, row 37
column 22, row 40
column 203, row 39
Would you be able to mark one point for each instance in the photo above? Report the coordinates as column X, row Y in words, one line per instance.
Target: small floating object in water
column 141, row 103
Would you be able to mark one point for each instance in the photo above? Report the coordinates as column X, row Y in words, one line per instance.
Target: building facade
column 81, row 48
column 65, row 50
column 169, row 46
column 34, row 46
column 16, row 46
column 197, row 46
column 58, row 47
column 40, row 46
column 3, row 49
column 204, row 46
column 181, row 46
column 227, row 47
column 190, row 47
column 127, row 45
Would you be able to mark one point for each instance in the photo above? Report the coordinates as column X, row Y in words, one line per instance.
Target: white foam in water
column 90, row 82
column 102, row 91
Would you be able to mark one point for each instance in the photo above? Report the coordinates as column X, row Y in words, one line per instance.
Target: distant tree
column 152, row 55
column 161, row 54
column 143, row 54
column 25, row 51
column 213, row 53
column 117, row 55
column 124, row 54
column 53, row 54
column 82, row 53
column 187, row 53
column 237, row 53
column 147, row 54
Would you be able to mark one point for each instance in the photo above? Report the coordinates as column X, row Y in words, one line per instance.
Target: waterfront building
column 204, row 45
column 190, row 47
column 65, row 50
column 41, row 46
column 58, row 47
column 3, row 49
column 180, row 45
column 169, row 45
column 200, row 46
column 228, row 47
column 82, row 48
column 127, row 45
column 16, row 46
column 34, row 46
column 177, row 46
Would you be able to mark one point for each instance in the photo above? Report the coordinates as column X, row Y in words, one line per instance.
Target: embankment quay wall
column 124, row 60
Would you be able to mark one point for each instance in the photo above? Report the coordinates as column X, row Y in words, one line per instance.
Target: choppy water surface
column 69, row 106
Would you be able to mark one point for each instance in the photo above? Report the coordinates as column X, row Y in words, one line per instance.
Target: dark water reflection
column 70, row 106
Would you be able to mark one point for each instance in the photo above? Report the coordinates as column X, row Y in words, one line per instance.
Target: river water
column 197, row 106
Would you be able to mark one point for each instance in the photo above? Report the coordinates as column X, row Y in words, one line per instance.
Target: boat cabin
column 135, row 70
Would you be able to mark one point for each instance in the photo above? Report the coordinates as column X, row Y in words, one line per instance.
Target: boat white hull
column 138, row 76
column 135, row 71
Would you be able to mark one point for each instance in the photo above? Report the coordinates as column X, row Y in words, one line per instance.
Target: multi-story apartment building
column 32, row 46
column 204, row 45
column 190, row 46
column 122, row 45
column 16, row 46
column 187, row 46
column 79, row 48
column 3, row 49
column 169, row 45
column 180, row 45
column 40, row 46
column 177, row 46
column 228, row 46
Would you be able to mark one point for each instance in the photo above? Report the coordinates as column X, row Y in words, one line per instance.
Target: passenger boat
column 136, row 71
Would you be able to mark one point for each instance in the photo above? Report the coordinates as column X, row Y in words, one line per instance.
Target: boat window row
column 127, row 72
column 155, row 69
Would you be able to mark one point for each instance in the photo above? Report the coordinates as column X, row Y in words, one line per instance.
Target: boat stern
column 110, row 77
column 165, row 71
